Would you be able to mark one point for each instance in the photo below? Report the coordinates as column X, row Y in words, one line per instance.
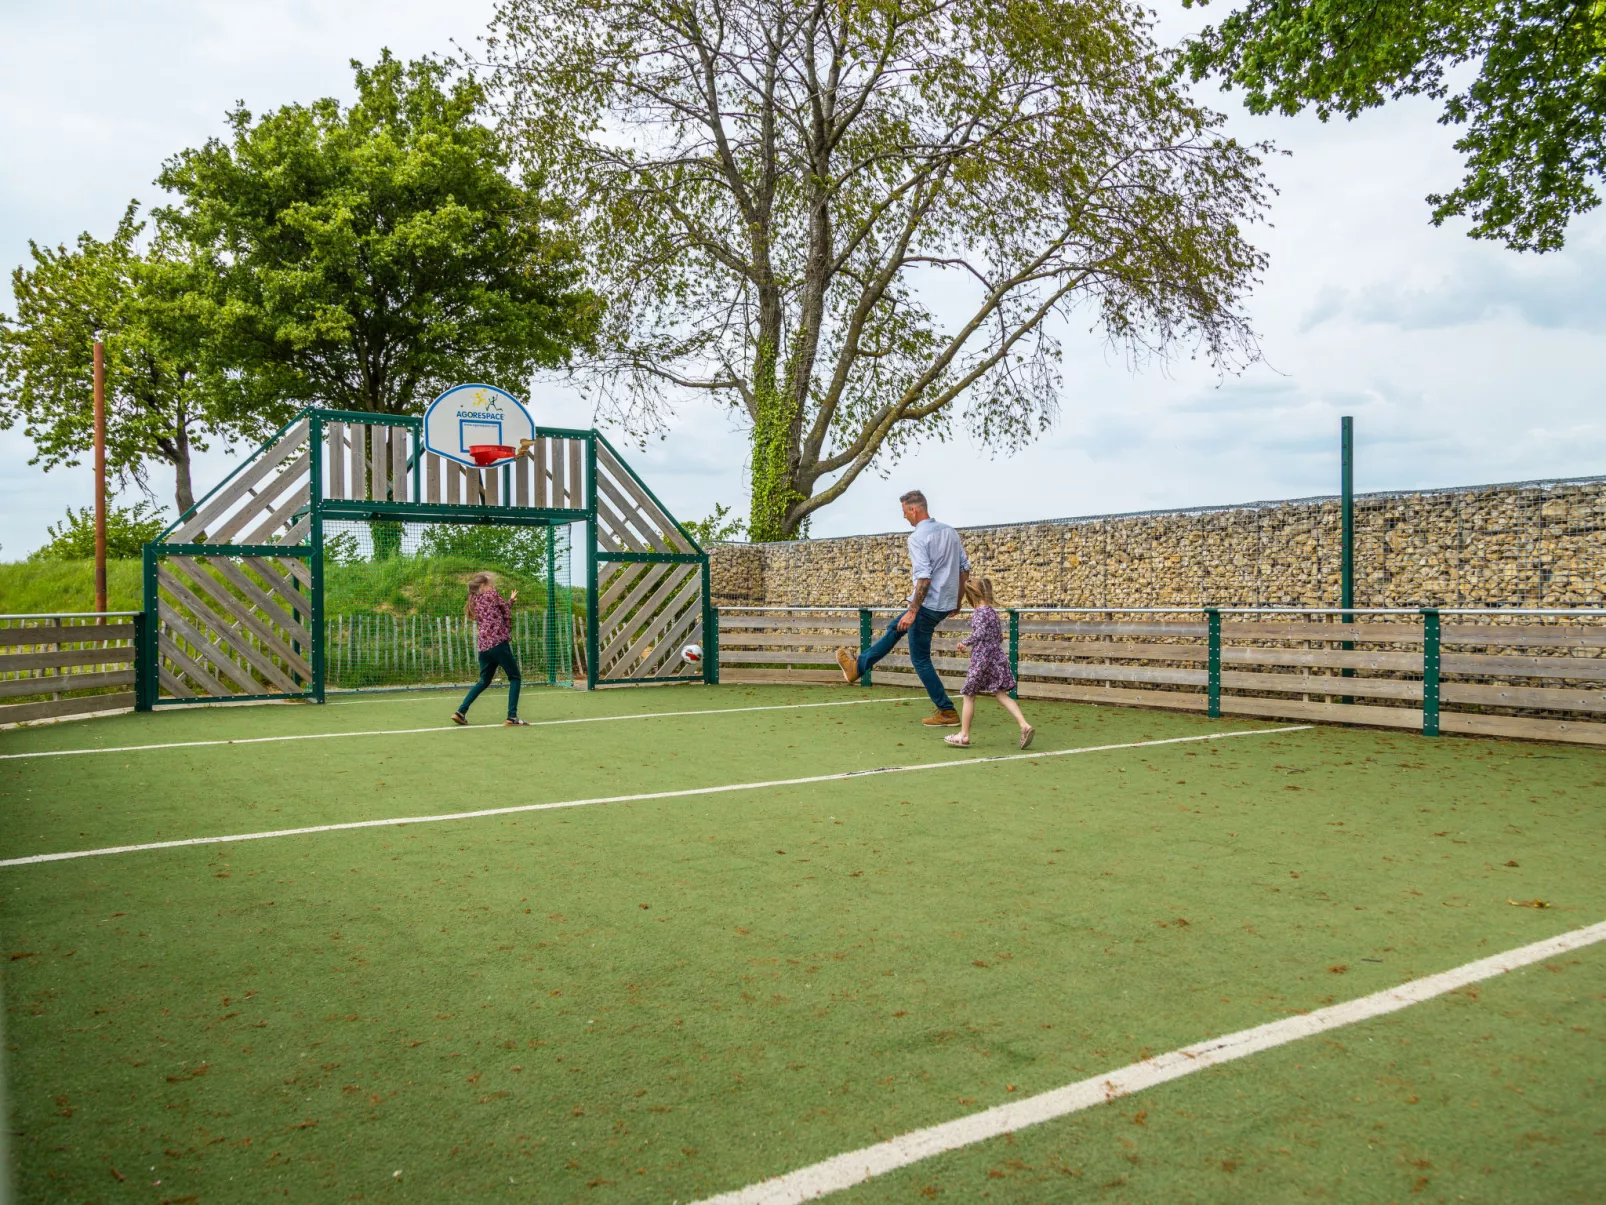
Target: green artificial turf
column 662, row 999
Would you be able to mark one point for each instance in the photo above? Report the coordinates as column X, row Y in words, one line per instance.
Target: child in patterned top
column 494, row 615
column 989, row 665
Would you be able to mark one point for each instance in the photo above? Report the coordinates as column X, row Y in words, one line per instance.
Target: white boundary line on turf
column 398, row 821
column 855, row 1167
column 328, row 736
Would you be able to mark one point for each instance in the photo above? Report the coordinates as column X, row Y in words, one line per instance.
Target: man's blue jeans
column 926, row 621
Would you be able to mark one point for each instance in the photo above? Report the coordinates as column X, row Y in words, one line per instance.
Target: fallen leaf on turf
column 1528, row 903
column 119, row 1175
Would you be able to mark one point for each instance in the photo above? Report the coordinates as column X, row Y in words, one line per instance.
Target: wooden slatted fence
column 54, row 666
column 1518, row 673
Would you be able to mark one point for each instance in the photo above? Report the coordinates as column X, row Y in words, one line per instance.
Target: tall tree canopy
column 375, row 254
column 848, row 220
column 1534, row 118
column 153, row 308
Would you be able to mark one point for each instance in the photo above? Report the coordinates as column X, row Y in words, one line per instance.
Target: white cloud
column 1462, row 362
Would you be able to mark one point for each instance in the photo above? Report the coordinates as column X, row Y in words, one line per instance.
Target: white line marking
column 855, row 1167
column 327, row 736
column 576, row 803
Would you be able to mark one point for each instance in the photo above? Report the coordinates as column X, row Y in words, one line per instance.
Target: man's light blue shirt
column 935, row 551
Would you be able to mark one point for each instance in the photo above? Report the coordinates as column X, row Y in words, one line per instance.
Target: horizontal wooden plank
column 1081, row 627
column 740, row 676
column 1041, row 647
column 1331, row 713
column 1082, row 672
column 1586, row 668
column 1547, row 698
column 1409, row 631
column 1524, row 635
column 736, row 623
column 777, row 657
column 1115, row 696
column 1406, row 689
column 54, row 683
column 16, row 663
column 67, row 633
column 1524, row 728
column 22, row 713
column 751, row 640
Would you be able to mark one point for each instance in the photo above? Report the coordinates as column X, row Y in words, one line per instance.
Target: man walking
column 939, row 566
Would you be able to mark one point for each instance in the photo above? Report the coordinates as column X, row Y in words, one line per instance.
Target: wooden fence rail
column 1510, row 672
column 55, row 666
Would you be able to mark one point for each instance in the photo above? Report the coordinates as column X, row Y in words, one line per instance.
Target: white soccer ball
column 692, row 654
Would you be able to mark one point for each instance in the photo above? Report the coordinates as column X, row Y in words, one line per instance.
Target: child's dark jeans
column 498, row 655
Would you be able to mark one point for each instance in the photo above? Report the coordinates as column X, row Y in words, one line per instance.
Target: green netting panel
column 394, row 593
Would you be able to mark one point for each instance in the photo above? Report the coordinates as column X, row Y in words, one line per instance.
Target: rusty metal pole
column 100, row 476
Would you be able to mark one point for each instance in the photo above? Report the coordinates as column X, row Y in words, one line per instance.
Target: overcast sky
column 1462, row 363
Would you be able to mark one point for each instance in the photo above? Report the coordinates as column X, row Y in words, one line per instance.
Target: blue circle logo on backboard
column 469, row 415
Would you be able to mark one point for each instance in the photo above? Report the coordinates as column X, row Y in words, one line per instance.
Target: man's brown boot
column 849, row 664
column 942, row 719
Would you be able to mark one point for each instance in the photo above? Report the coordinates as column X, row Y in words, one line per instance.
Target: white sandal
column 957, row 740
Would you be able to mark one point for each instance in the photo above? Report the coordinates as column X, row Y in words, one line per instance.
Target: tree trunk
column 774, row 453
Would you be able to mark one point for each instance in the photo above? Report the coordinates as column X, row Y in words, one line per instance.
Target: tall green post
column 1430, row 671
column 1014, row 652
column 150, row 652
column 552, row 606
column 1346, row 537
column 710, row 629
column 315, row 501
column 592, row 617
column 866, row 639
column 1213, row 664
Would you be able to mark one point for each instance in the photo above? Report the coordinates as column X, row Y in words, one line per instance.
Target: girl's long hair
column 476, row 583
column 979, row 590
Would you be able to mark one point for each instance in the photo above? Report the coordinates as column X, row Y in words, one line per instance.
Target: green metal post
column 710, row 629
column 151, row 655
column 1014, row 651
column 1430, row 671
column 142, row 676
column 1346, row 535
column 552, row 606
column 315, row 500
column 711, row 648
column 1213, row 672
column 866, row 639
column 591, row 562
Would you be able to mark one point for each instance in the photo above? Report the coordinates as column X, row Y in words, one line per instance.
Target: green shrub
column 128, row 530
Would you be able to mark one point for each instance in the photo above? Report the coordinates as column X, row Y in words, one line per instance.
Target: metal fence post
column 865, row 641
column 711, row 648
column 142, row 664
column 1014, row 652
column 1430, row 671
column 1213, row 672
column 150, row 657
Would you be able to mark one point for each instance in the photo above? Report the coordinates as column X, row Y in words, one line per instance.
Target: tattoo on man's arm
column 921, row 587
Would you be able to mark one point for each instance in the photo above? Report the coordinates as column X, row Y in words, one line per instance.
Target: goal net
column 394, row 593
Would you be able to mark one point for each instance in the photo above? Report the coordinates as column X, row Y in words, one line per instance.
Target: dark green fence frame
column 321, row 509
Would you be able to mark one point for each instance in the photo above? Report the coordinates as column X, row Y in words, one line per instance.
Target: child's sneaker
column 515, row 722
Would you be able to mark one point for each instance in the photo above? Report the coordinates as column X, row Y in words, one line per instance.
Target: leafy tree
column 717, row 527
column 128, row 530
column 852, row 222
column 1535, row 117
column 153, row 308
column 378, row 253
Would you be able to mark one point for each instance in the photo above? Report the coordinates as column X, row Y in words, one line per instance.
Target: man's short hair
column 913, row 498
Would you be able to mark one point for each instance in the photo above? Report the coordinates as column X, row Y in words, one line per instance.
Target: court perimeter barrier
column 67, row 664
column 1533, row 673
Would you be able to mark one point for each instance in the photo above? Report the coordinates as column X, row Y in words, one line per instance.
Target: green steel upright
column 1346, row 537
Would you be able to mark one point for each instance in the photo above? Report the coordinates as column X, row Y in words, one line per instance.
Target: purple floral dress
column 989, row 663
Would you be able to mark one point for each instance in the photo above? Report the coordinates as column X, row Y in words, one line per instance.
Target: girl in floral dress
column 989, row 665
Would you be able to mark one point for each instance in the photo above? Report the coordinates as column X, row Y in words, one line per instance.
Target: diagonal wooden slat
column 652, row 539
column 192, row 670
column 277, row 520
column 283, row 584
column 619, row 529
column 627, row 480
column 173, row 684
column 235, row 641
column 614, row 588
column 627, row 606
column 214, row 508
column 666, row 658
column 262, row 500
column 649, row 620
column 279, row 644
column 263, row 601
column 224, row 667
